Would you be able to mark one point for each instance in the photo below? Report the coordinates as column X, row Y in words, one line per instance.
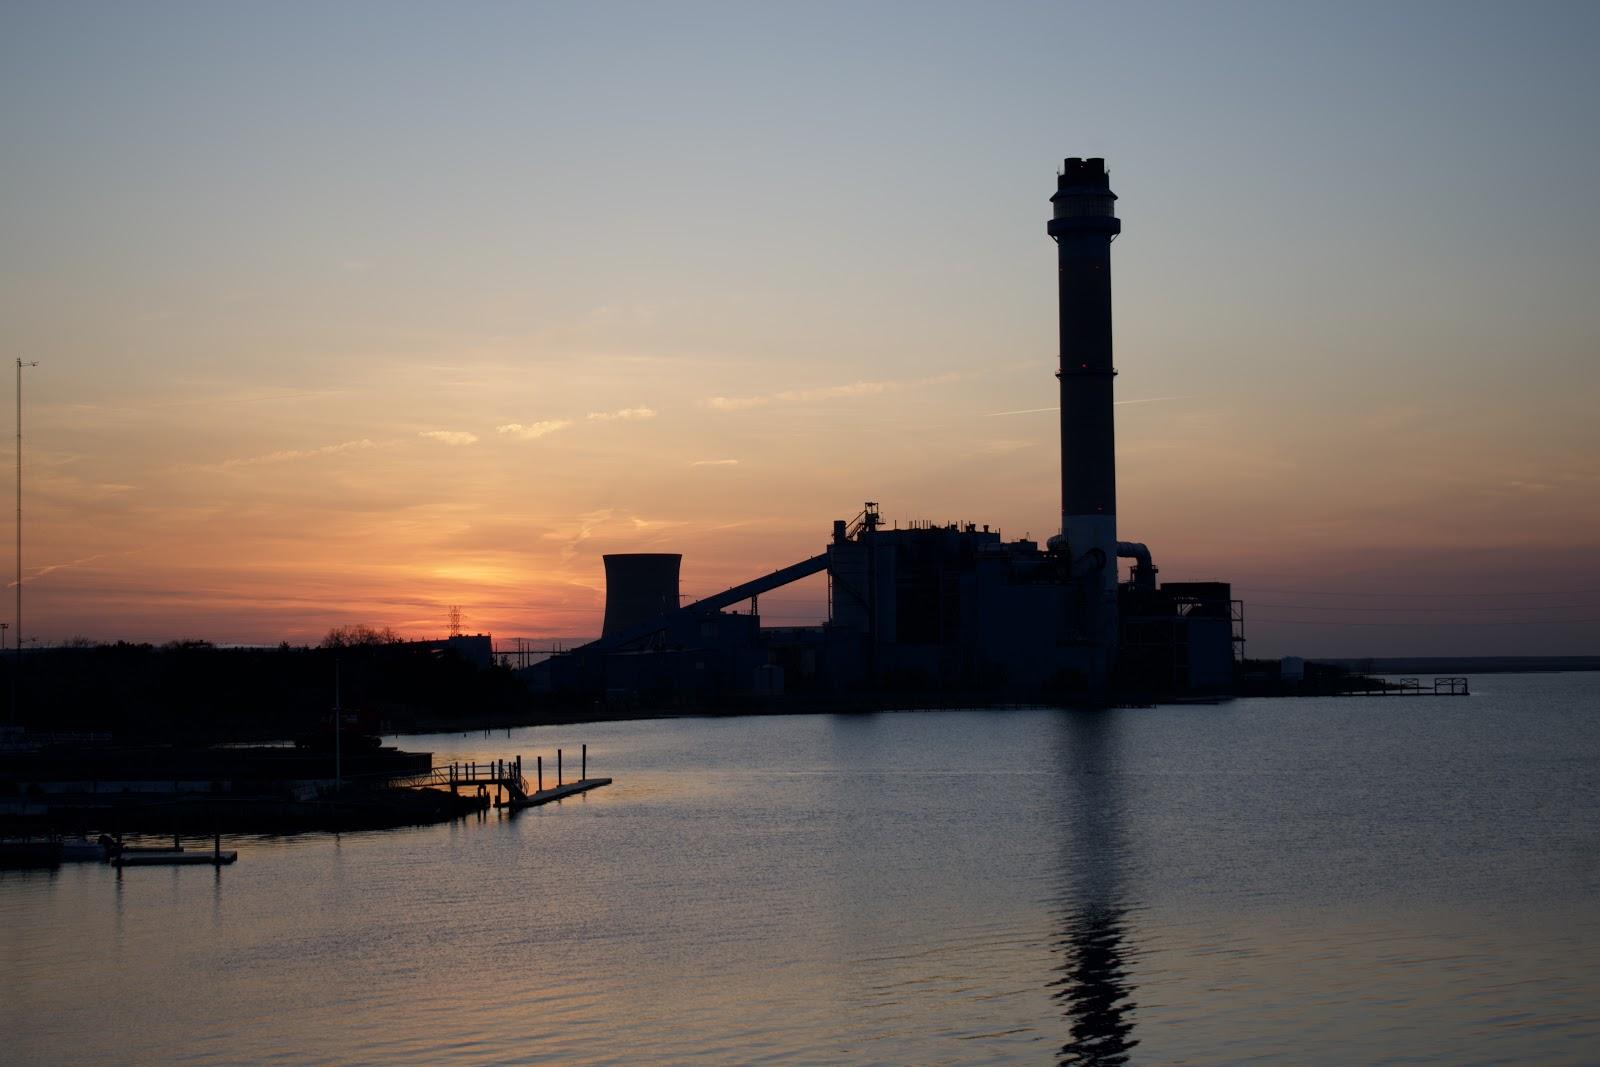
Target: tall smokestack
column 1083, row 226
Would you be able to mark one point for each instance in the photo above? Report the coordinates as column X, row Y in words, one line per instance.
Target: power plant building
column 948, row 610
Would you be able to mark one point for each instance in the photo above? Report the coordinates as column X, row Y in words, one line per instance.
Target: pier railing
column 1448, row 686
column 504, row 774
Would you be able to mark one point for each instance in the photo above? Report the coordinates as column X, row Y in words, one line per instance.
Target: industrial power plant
column 945, row 609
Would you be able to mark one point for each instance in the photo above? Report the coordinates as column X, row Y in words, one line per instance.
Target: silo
column 639, row 587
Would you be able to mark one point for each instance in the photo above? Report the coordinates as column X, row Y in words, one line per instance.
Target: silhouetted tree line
column 358, row 635
column 193, row 691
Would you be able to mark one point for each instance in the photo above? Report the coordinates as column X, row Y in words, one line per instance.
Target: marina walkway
column 504, row 778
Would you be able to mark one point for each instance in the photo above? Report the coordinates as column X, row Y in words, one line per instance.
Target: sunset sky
column 347, row 313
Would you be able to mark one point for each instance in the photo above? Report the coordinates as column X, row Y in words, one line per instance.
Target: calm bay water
column 1360, row 880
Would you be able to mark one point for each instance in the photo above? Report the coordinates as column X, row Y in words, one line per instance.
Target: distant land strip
column 1466, row 664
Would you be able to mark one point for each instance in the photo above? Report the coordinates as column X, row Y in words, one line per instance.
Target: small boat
column 82, row 850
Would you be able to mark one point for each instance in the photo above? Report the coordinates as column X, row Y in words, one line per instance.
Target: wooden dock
column 500, row 783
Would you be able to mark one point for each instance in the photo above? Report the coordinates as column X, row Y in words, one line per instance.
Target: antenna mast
column 18, row 670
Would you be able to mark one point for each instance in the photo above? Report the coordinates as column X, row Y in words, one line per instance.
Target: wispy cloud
column 450, row 437
column 623, row 413
column 736, row 403
column 1117, row 403
column 715, row 463
column 827, row 392
column 290, row 454
column 654, row 524
column 533, row 431
column 576, row 533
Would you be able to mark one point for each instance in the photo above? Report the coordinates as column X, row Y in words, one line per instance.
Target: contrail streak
column 53, row 567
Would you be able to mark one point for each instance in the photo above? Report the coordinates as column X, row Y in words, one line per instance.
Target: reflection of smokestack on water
column 1083, row 226
column 639, row 587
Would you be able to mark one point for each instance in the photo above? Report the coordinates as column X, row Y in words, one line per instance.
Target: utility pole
column 338, row 730
column 18, row 670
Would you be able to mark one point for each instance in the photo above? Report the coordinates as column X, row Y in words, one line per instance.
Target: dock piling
column 583, row 767
column 540, row 766
column 558, row 768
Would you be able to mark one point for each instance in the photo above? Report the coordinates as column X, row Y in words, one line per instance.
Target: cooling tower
column 639, row 587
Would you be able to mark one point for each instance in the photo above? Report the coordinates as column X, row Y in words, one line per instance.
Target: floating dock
column 120, row 855
column 545, row 796
column 168, row 858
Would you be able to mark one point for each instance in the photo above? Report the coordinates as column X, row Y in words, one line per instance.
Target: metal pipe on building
column 1144, row 570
